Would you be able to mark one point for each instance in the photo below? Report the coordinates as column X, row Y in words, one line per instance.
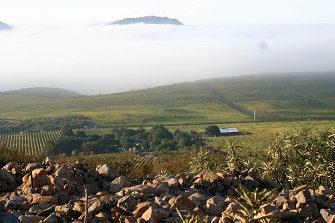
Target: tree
column 212, row 130
column 66, row 144
column 81, row 134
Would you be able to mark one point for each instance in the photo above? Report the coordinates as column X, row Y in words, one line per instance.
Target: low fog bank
column 106, row 59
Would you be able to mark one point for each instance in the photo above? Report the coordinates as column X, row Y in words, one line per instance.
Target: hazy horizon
column 68, row 45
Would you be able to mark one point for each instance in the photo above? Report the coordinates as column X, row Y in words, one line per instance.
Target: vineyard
column 31, row 143
column 34, row 143
column 95, row 131
column 138, row 159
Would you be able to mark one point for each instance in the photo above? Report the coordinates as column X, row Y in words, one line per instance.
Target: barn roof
column 228, row 130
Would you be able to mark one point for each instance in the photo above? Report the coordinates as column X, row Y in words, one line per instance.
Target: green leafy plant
column 251, row 203
column 203, row 161
column 301, row 158
column 189, row 218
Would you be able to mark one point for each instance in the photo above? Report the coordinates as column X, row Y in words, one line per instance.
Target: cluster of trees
column 156, row 139
column 212, row 130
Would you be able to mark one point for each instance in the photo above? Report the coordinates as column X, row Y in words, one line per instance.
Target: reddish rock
column 30, row 218
column 304, row 197
column 327, row 214
column 215, row 205
column 64, row 172
column 96, row 206
column 66, row 210
column 32, row 166
column 150, row 216
column 296, row 190
column 118, row 184
column 141, row 189
column 141, row 208
column 100, row 217
column 211, row 177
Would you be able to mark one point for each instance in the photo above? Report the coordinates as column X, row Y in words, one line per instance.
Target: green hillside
column 281, row 97
column 43, row 92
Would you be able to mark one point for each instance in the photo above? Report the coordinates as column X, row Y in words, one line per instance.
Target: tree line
column 156, row 139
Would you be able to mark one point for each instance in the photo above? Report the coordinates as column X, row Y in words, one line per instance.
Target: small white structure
column 229, row 131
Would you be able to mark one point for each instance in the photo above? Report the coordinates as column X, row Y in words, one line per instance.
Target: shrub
column 8, row 155
column 301, row 159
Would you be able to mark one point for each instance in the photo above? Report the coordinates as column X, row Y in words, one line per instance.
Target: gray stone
column 8, row 218
column 7, row 181
column 127, row 204
column 64, row 172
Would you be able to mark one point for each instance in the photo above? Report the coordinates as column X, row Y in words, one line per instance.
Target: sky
column 69, row 44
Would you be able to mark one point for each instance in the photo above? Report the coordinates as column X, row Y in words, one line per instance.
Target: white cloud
column 104, row 59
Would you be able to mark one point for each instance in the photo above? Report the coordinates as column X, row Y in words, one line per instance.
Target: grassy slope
column 43, row 92
column 174, row 104
column 282, row 97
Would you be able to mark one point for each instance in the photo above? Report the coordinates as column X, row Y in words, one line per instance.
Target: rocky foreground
column 49, row 192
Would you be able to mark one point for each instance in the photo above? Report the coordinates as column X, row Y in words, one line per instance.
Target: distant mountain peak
column 4, row 26
column 147, row 20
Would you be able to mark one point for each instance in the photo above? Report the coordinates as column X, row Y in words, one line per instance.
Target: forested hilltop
column 43, row 92
column 4, row 26
column 147, row 20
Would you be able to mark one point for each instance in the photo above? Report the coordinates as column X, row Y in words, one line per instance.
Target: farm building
column 229, row 131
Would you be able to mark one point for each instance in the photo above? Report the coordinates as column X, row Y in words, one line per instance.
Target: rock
column 96, row 206
column 30, row 218
column 319, row 221
column 104, row 170
column 9, row 166
column 129, row 219
column 7, row 181
column 268, row 209
column 141, row 208
column 321, row 203
column 211, row 177
column 101, row 217
column 66, row 210
column 215, row 205
column 163, row 213
column 48, row 200
column 253, row 173
column 304, row 197
column 296, row 190
column 150, row 216
column 8, row 218
column 52, row 218
column 14, row 203
column 173, row 183
column 64, row 172
column 145, row 189
column 49, row 161
column 183, row 201
column 279, row 201
column 327, row 214
column 198, row 199
column 32, row 166
column 248, row 180
column 118, row 184
column 46, row 212
column 127, row 204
